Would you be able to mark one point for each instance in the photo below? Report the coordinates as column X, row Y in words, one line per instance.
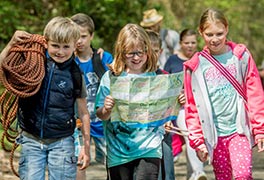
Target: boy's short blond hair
column 61, row 30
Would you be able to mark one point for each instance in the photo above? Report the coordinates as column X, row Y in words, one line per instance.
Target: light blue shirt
column 92, row 82
column 125, row 144
column 221, row 92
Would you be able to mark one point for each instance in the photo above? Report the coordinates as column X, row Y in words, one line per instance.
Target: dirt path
column 97, row 171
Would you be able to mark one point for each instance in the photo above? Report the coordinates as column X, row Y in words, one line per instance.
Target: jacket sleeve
column 255, row 96
column 191, row 114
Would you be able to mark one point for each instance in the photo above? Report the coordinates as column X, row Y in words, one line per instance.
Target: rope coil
column 23, row 68
column 22, row 73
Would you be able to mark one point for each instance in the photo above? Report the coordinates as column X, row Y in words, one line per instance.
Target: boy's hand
column 101, row 52
column 20, row 36
column 83, row 159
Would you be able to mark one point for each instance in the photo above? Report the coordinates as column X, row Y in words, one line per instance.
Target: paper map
column 146, row 101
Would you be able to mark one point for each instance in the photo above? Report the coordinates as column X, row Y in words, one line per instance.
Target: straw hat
column 150, row 18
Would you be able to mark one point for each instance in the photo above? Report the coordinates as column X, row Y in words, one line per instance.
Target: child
column 130, row 151
column 152, row 20
column 167, row 165
column 216, row 114
column 188, row 43
column 47, row 118
column 84, row 54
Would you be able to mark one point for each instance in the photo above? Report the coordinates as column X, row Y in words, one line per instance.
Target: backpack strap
column 225, row 73
column 77, row 78
column 97, row 64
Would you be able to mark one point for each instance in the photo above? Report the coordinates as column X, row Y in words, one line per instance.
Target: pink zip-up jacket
column 198, row 110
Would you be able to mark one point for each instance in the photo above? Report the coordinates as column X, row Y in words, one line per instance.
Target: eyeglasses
column 156, row 50
column 132, row 54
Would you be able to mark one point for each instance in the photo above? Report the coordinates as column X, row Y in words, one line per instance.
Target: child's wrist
column 105, row 110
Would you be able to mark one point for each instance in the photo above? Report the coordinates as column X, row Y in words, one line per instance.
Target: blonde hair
column 132, row 36
column 61, row 30
column 212, row 15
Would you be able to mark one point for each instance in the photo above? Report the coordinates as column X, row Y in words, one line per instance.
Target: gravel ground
column 97, row 171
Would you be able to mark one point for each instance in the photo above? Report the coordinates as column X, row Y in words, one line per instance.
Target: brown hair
column 154, row 38
column 187, row 32
column 212, row 15
column 131, row 36
column 84, row 21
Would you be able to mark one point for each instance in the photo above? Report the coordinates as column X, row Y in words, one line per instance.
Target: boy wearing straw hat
column 170, row 38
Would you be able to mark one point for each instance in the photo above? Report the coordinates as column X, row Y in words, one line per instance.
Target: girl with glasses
column 132, row 152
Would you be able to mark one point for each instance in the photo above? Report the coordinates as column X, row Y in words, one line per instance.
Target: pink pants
column 233, row 155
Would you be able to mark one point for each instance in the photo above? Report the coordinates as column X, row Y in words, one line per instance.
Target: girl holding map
column 131, row 151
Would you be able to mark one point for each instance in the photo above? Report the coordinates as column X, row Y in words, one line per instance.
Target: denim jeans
column 167, row 165
column 100, row 149
column 57, row 156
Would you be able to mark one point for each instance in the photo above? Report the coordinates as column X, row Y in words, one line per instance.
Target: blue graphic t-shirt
column 222, row 94
column 124, row 143
column 92, row 82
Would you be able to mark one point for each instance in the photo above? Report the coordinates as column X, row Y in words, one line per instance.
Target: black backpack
column 77, row 79
column 97, row 64
column 76, row 72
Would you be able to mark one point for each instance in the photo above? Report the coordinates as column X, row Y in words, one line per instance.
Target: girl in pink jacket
column 222, row 124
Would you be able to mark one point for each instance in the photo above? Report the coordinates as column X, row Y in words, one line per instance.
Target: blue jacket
column 50, row 112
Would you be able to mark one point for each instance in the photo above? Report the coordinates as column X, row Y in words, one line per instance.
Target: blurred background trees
column 245, row 17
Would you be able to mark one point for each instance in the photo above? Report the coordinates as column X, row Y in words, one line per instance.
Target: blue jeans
column 100, row 149
column 167, row 165
column 58, row 156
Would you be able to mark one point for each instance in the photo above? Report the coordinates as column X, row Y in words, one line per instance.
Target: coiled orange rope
column 23, row 71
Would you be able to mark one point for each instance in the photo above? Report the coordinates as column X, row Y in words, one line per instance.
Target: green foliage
column 244, row 16
column 111, row 15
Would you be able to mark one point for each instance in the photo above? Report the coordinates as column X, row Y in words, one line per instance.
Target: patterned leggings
column 233, row 155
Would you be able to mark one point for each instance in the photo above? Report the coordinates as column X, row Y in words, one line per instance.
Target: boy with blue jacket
column 89, row 59
column 47, row 118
